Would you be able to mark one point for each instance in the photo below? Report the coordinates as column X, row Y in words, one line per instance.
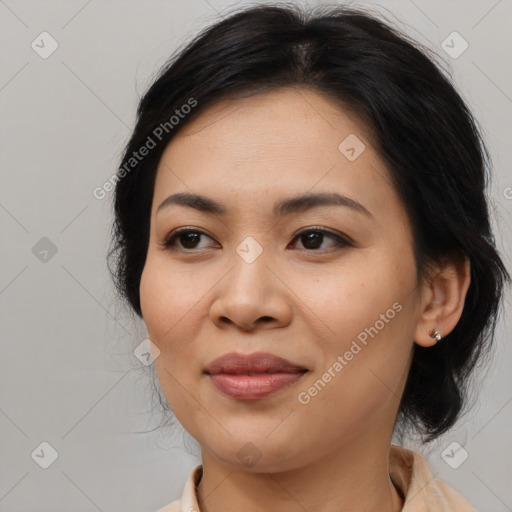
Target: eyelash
column 340, row 241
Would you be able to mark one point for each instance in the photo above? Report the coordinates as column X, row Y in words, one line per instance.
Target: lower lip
column 253, row 387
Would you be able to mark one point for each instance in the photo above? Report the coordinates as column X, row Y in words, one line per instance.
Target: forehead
column 267, row 122
column 279, row 142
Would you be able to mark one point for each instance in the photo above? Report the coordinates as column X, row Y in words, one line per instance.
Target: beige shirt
column 409, row 471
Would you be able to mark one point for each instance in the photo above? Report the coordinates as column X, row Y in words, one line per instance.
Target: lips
column 252, row 376
column 248, row 364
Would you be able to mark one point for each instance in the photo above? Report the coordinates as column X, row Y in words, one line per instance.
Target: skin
column 303, row 302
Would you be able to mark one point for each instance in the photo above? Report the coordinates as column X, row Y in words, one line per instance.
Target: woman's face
column 330, row 287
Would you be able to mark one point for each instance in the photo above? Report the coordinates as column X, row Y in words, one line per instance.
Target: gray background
column 67, row 372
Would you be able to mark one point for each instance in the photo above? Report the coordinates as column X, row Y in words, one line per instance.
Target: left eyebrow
column 308, row 201
column 281, row 208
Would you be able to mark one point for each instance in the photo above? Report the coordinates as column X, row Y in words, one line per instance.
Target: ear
column 442, row 299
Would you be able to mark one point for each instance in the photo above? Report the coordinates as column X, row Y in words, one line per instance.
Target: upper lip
column 257, row 362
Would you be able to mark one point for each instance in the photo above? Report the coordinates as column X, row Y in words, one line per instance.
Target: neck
column 354, row 477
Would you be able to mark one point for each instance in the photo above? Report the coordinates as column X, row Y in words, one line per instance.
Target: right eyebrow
column 196, row 201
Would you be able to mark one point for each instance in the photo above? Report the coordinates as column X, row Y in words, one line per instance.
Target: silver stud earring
column 435, row 334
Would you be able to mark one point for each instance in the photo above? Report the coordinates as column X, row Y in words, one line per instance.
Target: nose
column 250, row 297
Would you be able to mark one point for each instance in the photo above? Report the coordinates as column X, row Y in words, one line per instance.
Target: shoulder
column 175, row 506
column 188, row 500
column 422, row 491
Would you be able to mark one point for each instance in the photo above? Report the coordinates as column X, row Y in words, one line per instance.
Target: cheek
column 167, row 300
column 369, row 308
column 168, row 312
column 352, row 295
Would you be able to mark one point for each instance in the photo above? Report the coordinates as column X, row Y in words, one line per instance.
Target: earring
column 435, row 334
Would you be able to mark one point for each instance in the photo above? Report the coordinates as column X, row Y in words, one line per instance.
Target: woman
column 300, row 221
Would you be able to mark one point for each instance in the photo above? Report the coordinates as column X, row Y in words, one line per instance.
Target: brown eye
column 190, row 239
column 185, row 239
column 312, row 239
